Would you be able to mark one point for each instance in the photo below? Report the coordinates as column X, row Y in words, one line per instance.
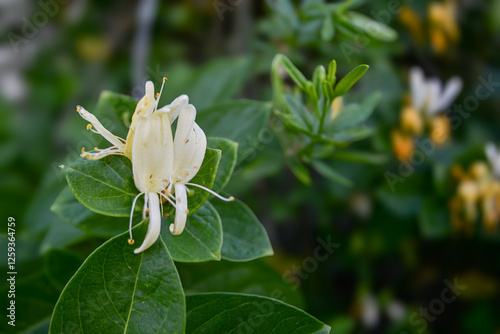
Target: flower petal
column 181, row 210
column 418, row 88
column 154, row 225
column 173, row 109
column 100, row 128
column 152, row 152
column 190, row 144
column 450, row 92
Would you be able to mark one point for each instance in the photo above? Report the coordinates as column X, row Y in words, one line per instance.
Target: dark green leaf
column 358, row 156
column 244, row 236
column 201, row 239
column 242, row 121
column 350, row 79
column 254, row 277
column 117, row 291
column 68, row 208
column 227, row 162
column 214, row 313
column 104, row 186
column 57, row 273
column 300, row 171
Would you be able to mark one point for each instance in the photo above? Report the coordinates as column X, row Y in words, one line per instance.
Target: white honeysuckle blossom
column 162, row 166
column 493, row 156
column 429, row 96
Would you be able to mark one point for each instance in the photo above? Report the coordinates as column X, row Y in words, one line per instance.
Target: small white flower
column 493, row 156
column 162, row 166
column 429, row 96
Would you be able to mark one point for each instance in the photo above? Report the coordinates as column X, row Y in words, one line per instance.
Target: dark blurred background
column 398, row 250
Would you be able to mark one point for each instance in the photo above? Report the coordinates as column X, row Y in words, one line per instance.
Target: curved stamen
column 168, row 199
column 145, row 207
column 131, row 240
column 230, row 199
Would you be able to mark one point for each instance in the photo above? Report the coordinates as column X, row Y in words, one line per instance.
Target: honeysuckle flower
column 162, row 166
column 429, row 97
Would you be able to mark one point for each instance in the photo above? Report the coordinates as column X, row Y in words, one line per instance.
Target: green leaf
column 214, row 313
column 57, row 273
column 103, row 186
column 328, row 29
column 362, row 157
column 294, row 73
column 328, row 172
column 242, row 121
column 68, row 208
column 227, row 162
column 244, row 236
column 201, row 239
column 300, row 171
column 254, row 277
column 350, row 135
column 350, row 79
column 354, row 114
column 205, row 177
column 300, row 112
column 117, row 291
column 61, row 235
column 332, row 72
column 373, row 28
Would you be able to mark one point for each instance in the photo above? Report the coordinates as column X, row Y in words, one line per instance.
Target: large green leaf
column 117, row 291
column 242, row 121
column 244, row 236
column 227, row 162
column 254, row 277
column 215, row 313
column 68, row 208
column 104, row 186
column 201, row 239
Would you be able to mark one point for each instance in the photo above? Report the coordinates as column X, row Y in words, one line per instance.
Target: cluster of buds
column 478, row 194
column 423, row 114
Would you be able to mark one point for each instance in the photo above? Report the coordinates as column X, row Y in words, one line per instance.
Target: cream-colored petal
column 99, row 128
column 418, row 88
column 152, row 152
column 433, row 95
column 190, row 144
column 173, row 109
column 450, row 92
column 154, row 224
column 181, row 209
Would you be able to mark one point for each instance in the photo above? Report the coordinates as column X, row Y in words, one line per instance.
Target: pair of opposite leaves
column 162, row 165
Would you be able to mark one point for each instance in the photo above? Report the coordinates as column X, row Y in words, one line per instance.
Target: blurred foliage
column 397, row 245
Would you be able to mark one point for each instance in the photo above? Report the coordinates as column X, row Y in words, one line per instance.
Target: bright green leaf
column 328, row 29
column 117, row 291
column 373, row 28
column 201, row 239
column 294, row 73
column 350, row 79
column 244, row 236
column 214, row 313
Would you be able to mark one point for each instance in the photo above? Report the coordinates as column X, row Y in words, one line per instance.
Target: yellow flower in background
column 443, row 27
column 402, row 145
column 413, row 23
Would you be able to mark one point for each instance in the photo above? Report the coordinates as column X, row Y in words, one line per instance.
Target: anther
column 164, row 79
column 96, row 149
column 78, row 108
column 89, row 126
column 131, row 241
